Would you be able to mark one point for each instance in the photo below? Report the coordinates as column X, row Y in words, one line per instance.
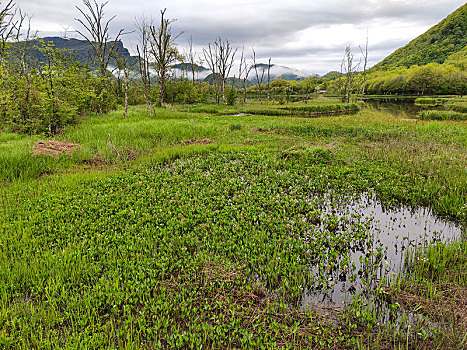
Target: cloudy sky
column 309, row 35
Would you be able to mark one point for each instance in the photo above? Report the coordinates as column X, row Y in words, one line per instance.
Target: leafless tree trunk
column 143, row 26
column 365, row 62
column 211, row 55
column 97, row 33
column 349, row 69
column 125, row 82
column 192, row 60
column 225, row 61
column 163, row 51
column 49, row 56
column 7, row 26
column 23, row 43
column 269, row 78
column 259, row 78
column 244, row 70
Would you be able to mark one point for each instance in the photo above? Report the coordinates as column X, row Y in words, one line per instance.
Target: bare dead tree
column 348, row 69
column 226, row 55
column 269, row 78
column 244, row 70
column 97, row 33
column 126, row 81
column 50, row 56
column 365, row 62
column 163, row 51
column 7, row 25
column 143, row 26
column 23, row 44
column 7, row 14
column 191, row 55
column 211, row 56
column 259, row 77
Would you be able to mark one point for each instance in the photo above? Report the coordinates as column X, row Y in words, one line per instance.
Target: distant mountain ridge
column 436, row 45
column 276, row 72
column 83, row 52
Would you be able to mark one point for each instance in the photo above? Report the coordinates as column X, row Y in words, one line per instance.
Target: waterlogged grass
column 461, row 108
column 173, row 247
column 191, row 245
column 423, row 101
column 315, row 109
column 442, row 115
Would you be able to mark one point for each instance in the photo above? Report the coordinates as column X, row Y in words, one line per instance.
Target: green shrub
column 230, row 95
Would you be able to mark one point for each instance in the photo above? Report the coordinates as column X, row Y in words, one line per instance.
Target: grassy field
column 197, row 229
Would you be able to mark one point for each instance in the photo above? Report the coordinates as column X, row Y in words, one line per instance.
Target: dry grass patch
column 54, row 148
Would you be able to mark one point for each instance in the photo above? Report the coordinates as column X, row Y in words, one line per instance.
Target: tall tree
column 211, row 56
column 143, row 25
column 164, row 52
column 226, row 56
column 269, row 78
column 122, row 66
column 244, row 71
column 7, row 26
column 259, row 77
column 7, row 14
column 191, row 55
column 349, row 70
column 18, row 75
column 97, row 34
column 365, row 63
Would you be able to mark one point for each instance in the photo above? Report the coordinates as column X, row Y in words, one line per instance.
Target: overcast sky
column 309, row 35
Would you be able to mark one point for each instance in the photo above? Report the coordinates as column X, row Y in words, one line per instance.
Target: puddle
column 238, row 115
column 366, row 260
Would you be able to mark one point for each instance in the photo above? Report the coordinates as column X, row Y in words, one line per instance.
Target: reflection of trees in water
column 397, row 108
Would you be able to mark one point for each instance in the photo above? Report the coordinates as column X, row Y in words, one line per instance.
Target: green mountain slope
column 436, row 45
column 458, row 59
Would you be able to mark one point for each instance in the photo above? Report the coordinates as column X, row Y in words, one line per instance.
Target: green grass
column 461, row 108
column 442, row 115
column 169, row 245
column 423, row 101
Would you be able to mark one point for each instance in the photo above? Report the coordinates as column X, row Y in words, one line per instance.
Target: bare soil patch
column 192, row 142
column 96, row 161
column 54, row 148
column 258, row 130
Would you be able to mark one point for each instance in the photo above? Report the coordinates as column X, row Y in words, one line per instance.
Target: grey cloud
column 267, row 25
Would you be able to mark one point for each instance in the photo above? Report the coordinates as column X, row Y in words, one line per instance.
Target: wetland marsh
column 145, row 238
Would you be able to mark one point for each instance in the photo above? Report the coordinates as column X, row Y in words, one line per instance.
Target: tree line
column 44, row 88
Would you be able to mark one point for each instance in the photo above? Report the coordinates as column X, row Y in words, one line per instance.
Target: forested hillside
column 436, row 45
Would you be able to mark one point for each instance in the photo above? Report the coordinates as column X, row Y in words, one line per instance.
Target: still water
column 391, row 231
column 400, row 108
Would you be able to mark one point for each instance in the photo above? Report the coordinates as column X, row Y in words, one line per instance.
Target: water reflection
column 400, row 108
column 389, row 232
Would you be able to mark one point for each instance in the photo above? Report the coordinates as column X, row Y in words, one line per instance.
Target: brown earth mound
column 54, row 148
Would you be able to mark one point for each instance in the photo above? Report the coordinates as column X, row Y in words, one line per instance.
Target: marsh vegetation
column 263, row 235
column 141, row 210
